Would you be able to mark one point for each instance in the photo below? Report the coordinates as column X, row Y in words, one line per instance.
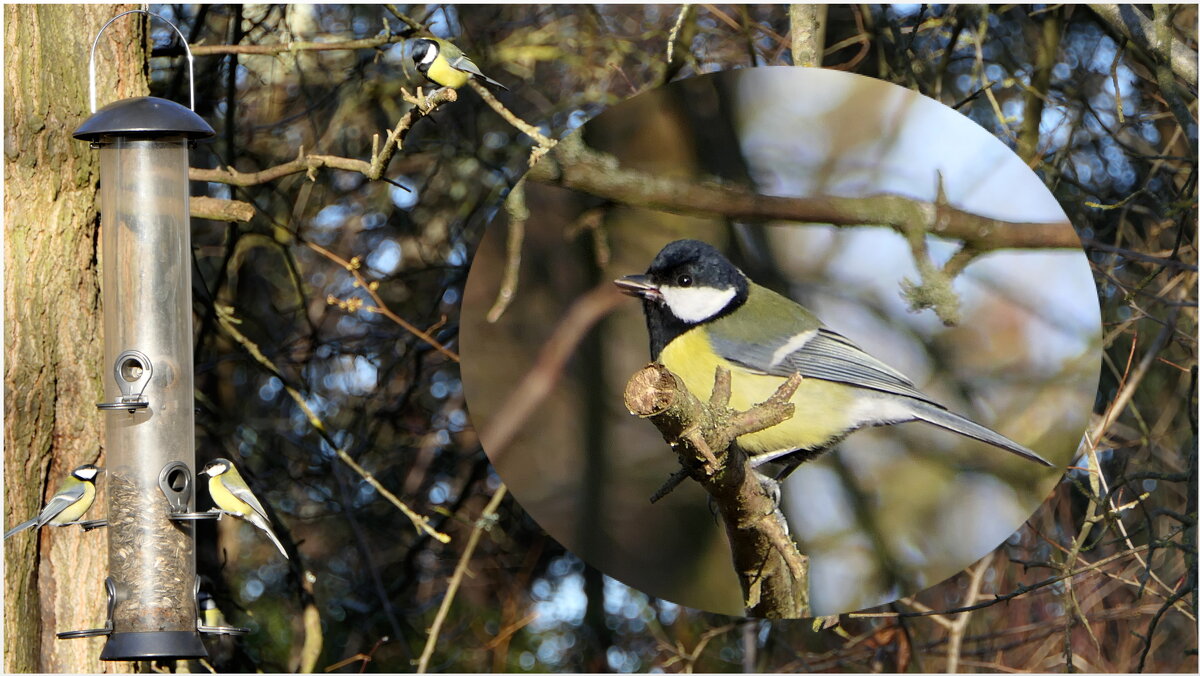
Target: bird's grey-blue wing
column 243, row 493
column 61, row 500
column 822, row 354
column 464, row 63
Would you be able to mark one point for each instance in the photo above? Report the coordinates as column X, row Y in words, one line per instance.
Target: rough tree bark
column 772, row 572
column 54, row 581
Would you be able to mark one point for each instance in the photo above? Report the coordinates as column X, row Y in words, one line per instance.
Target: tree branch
column 1039, row 89
column 571, row 164
column 235, row 210
column 808, row 33
column 518, row 213
column 544, row 143
column 1130, row 22
column 381, row 40
column 216, row 209
column 772, row 572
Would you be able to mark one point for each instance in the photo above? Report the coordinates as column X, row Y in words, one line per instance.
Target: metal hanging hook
column 182, row 40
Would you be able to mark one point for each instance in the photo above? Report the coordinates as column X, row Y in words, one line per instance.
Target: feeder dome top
column 143, row 116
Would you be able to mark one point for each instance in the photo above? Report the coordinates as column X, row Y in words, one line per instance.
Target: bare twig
column 483, row 523
column 229, row 323
column 958, row 626
column 544, row 143
column 518, row 213
column 352, row 266
column 674, row 34
column 408, row 20
column 310, row 163
column 1008, row 596
column 690, row 657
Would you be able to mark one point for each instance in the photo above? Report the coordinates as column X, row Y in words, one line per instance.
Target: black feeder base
column 154, row 645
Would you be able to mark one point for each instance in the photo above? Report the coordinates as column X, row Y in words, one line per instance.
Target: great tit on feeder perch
column 703, row 312
column 442, row 63
column 74, row 498
column 232, row 495
column 210, row 614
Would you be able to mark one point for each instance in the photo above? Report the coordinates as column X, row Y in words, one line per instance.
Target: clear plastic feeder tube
column 147, row 299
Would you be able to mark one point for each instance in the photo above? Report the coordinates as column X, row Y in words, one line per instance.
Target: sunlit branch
column 1129, row 21
column 808, row 33
column 544, row 143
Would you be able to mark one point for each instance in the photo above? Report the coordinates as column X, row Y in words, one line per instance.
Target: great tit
column 220, row 645
column 210, row 614
column 230, row 493
column 74, row 498
column 703, row 312
column 444, row 64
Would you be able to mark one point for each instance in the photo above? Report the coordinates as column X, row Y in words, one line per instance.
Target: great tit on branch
column 444, row 64
column 703, row 312
column 74, row 498
column 231, row 494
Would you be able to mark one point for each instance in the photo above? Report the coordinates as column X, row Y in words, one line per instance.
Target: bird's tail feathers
column 956, row 423
column 493, row 82
column 20, row 527
column 266, row 528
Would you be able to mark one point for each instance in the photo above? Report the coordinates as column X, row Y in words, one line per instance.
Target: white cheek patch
column 89, row 474
column 694, row 304
column 430, row 54
column 794, row 343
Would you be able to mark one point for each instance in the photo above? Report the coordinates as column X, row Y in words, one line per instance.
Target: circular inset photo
column 903, row 272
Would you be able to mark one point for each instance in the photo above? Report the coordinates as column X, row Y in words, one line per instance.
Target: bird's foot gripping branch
column 772, row 572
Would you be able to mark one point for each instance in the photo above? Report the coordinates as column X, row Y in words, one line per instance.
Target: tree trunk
column 54, row 578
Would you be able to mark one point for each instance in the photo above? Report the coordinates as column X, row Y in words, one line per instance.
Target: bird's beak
column 639, row 286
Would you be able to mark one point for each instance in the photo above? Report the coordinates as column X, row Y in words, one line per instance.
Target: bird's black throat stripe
column 663, row 326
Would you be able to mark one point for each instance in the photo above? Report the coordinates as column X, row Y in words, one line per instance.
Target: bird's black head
column 423, row 53
column 688, row 283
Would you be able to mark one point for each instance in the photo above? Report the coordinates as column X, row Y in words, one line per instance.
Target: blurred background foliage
column 1106, row 121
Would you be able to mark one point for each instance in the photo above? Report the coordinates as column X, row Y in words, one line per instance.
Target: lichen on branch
column 772, row 572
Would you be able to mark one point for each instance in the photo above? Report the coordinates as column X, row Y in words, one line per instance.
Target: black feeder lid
column 144, row 116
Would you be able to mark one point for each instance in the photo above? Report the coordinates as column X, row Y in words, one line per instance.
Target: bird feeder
column 148, row 418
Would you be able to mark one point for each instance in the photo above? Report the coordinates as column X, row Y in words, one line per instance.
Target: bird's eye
column 684, row 280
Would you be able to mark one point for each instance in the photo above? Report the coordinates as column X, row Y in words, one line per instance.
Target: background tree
column 54, row 581
column 326, row 318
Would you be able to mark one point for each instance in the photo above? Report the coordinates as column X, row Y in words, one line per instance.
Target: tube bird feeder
column 148, row 417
